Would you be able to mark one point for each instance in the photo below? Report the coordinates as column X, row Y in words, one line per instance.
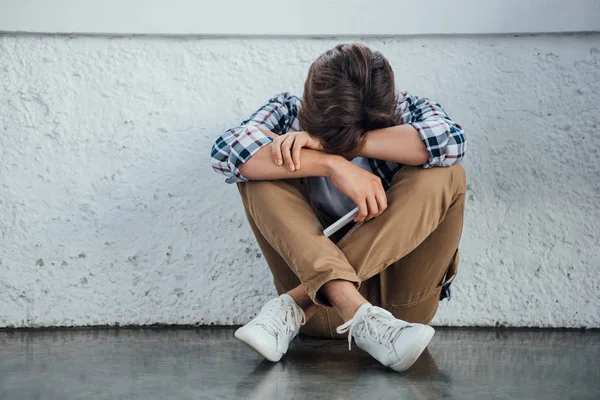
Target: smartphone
column 340, row 223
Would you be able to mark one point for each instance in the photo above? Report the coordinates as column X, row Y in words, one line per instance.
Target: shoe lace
column 282, row 317
column 371, row 325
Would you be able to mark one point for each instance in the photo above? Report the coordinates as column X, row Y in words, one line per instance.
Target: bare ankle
column 302, row 298
column 310, row 311
column 344, row 297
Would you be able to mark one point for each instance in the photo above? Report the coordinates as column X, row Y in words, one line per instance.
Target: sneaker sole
column 419, row 347
column 239, row 334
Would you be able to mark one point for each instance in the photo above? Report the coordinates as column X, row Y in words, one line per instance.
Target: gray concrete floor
column 208, row 363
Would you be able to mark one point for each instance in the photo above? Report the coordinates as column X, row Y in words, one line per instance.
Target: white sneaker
column 275, row 326
column 391, row 341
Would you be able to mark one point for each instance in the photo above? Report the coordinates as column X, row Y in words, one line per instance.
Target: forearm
column 401, row 144
column 314, row 163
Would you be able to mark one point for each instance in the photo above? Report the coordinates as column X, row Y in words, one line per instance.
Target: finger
column 381, row 201
column 373, row 208
column 286, row 152
column 362, row 211
column 296, row 152
column 277, row 150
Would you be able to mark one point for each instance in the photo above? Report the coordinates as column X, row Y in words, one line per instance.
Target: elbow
column 245, row 171
column 249, row 170
column 423, row 156
column 419, row 158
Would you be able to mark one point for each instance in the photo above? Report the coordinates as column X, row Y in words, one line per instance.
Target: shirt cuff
column 247, row 146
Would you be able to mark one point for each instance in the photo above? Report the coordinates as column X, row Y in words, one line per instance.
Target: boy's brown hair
column 349, row 91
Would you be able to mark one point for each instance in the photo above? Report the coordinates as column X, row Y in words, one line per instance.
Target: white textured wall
column 110, row 213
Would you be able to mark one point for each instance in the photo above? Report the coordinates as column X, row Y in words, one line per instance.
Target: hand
column 364, row 188
column 286, row 148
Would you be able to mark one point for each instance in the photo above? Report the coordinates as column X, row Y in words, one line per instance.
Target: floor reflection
column 334, row 378
column 210, row 363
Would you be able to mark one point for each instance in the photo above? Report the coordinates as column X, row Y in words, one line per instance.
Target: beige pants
column 399, row 260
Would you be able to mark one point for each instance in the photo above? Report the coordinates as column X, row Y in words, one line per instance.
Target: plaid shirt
column 444, row 138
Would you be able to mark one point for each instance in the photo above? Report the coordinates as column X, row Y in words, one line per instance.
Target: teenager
column 300, row 164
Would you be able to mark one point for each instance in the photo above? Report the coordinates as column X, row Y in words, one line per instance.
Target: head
column 349, row 91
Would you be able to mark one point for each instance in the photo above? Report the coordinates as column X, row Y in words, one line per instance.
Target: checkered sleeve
column 237, row 145
column 444, row 138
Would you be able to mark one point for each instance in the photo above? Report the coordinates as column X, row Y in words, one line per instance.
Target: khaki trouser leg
column 400, row 257
column 280, row 212
column 322, row 323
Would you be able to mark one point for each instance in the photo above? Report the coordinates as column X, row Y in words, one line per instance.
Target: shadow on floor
column 208, row 363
